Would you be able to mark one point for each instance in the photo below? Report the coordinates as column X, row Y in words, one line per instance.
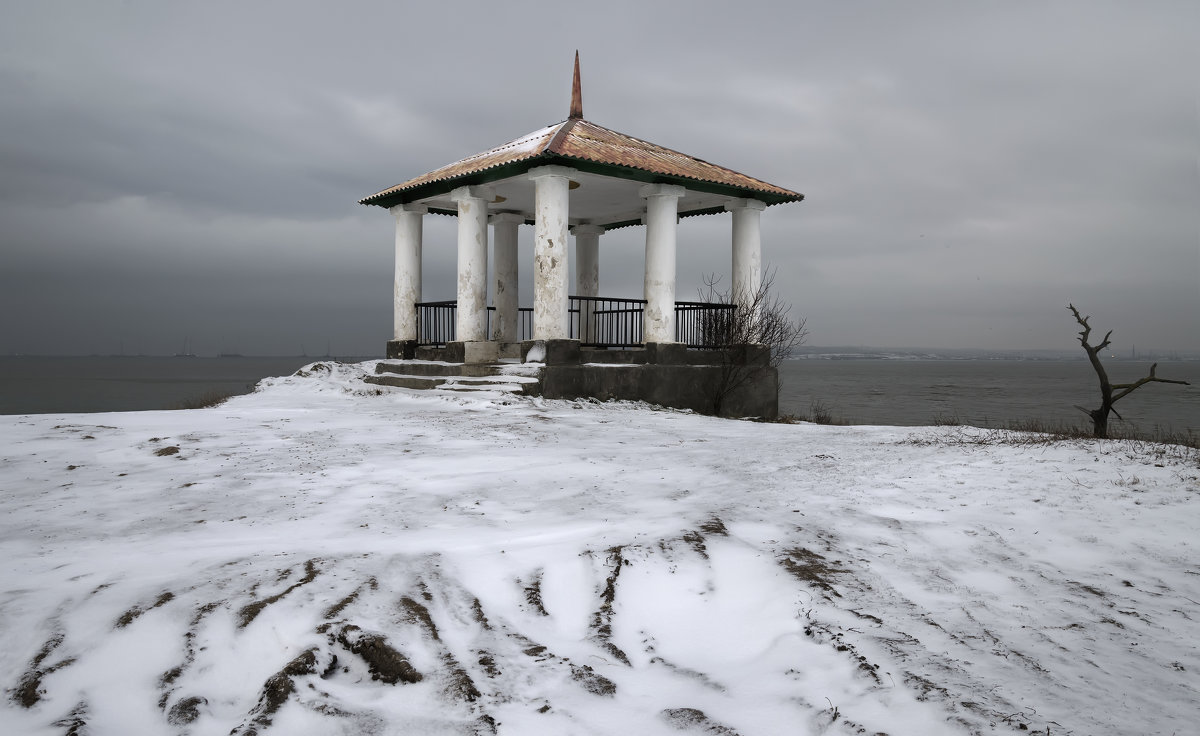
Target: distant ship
column 186, row 353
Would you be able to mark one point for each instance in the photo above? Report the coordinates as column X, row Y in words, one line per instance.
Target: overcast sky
column 190, row 171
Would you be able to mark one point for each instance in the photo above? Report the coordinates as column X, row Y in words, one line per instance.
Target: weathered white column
column 747, row 249
column 406, row 291
column 662, row 217
column 472, row 262
column 587, row 276
column 505, row 325
column 551, row 205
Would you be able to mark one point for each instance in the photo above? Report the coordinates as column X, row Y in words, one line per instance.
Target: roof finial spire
column 576, row 92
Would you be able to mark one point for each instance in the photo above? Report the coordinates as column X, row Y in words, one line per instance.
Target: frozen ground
column 322, row 558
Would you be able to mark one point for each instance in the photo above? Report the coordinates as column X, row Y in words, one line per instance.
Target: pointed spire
column 576, row 93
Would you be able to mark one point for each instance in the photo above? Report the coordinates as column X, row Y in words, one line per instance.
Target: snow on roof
column 579, row 140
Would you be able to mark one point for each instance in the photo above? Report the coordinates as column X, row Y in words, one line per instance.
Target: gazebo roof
column 612, row 165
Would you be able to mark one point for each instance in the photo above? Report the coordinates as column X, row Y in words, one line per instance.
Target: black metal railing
column 704, row 325
column 595, row 321
column 601, row 322
column 437, row 322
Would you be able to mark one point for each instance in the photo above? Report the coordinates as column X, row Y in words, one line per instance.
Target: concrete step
column 432, row 368
column 495, row 384
column 417, row 382
column 425, row 375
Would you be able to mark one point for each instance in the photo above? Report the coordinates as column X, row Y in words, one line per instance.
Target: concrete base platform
column 734, row 382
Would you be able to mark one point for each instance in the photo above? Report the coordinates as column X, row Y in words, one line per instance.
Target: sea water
column 51, row 385
column 986, row 393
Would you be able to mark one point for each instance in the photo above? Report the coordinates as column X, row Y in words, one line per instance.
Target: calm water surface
column 986, row 392
column 38, row 385
column 895, row 392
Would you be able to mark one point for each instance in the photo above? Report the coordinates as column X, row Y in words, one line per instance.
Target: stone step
column 432, row 368
column 417, row 382
column 519, row 384
column 493, row 385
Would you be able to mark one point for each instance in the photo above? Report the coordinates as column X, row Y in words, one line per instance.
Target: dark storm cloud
column 171, row 169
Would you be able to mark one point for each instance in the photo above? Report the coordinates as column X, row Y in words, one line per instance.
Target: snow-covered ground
column 327, row 557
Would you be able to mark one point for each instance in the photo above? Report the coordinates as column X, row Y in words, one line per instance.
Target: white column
column 505, row 325
column 551, row 206
column 587, row 276
column 472, row 262
column 662, row 217
column 747, row 249
column 406, row 290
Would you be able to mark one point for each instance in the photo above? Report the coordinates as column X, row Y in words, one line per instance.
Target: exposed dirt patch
column 714, row 527
column 488, row 662
column 602, row 618
column 533, row 595
column 1088, row 589
column 276, row 690
column 29, row 691
column 485, row 725
column 168, row 678
column 812, row 568
column 75, row 722
column 592, row 682
column 250, row 611
column 169, row 450
column 461, row 686
column 823, row 633
column 925, row 686
column 133, row 613
column 383, row 661
column 336, row 609
column 419, row 614
column 700, row 677
column 185, row 711
column 421, row 586
column 480, row 616
column 695, row 720
column 315, row 369
column 695, row 540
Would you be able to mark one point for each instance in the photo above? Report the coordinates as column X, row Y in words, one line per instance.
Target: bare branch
column 1128, row 388
column 1087, row 331
column 1083, row 321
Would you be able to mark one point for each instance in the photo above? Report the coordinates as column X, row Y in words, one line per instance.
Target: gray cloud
column 170, row 170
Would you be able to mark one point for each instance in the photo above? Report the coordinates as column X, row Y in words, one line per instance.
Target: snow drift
column 324, row 556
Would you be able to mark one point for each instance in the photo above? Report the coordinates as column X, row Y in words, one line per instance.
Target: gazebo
column 571, row 178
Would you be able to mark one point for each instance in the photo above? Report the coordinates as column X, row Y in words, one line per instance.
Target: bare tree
column 1110, row 393
column 760, row 321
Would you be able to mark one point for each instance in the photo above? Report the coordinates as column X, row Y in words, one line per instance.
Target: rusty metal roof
column 577, row 142
column 591, row 142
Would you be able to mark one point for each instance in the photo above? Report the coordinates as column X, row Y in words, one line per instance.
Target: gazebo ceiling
column 611, row 168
